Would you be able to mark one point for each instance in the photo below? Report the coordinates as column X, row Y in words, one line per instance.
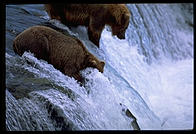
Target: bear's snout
column 121, row 35
column 102, row 64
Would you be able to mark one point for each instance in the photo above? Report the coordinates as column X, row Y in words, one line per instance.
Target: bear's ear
column 93, row 63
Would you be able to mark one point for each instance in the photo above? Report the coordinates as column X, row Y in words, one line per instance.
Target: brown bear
column 65, row 53
column 94, row 16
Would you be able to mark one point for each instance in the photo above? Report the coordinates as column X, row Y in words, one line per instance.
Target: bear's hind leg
column 41, row 48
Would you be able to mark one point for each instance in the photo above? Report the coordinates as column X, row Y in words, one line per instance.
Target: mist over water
column 150, row 73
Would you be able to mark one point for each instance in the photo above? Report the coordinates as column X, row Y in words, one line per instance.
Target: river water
column 150, row 73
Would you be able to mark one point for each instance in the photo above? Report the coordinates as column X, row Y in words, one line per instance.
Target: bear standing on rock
column 65, row 53
column 94, row 16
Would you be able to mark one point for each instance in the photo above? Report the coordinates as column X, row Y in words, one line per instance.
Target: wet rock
column 128, row 113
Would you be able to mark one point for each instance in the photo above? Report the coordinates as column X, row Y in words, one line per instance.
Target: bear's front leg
column 94, row 30
column 78, row 77
column 72, row 72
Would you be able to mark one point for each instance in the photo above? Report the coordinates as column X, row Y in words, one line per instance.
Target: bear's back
column 67, row 51
column 52, row 46
column 64, row 51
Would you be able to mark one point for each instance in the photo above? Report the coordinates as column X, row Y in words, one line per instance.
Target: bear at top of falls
column 94, row 16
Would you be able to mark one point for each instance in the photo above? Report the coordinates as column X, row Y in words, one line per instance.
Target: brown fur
column 95, row 16
column 65, row 53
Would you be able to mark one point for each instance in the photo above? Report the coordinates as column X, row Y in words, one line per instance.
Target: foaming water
column 175, row 94
column 167, row 88
column 80, row 108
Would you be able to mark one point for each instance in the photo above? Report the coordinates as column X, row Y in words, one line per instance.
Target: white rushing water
column 150, row 72
column 167, row 87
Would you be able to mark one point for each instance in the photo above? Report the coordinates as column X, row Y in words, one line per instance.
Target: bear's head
column 119, row 28
column 95, row 63
column 119, row 20
column 99, row 65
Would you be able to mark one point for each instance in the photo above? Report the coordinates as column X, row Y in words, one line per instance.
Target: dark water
column 39, row 97
column 19, row 18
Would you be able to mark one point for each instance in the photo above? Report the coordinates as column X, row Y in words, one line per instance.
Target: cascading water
column 150, row 74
